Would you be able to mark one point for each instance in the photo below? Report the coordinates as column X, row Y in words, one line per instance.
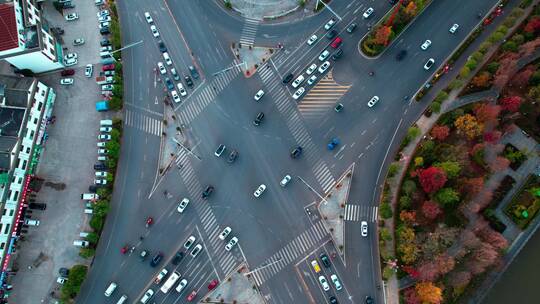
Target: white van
column 110, row 289
column 170, row 282
column 80, row 243
column 122, row 299
column 168, row 60
column 89, row 196
column 31, row 222
column 105, row 122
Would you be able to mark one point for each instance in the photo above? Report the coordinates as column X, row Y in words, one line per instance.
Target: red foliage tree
column 487, row 113
column 511, row 103
column 533, row 26
column 521, row 79
column 411, row 297
column 492, row 237
column 440, row 132
column 432, row 179
column 459, row 279
column 411, row 271
column 408, row 217
column 429, row 271
column 431, row 210
column 499, row 164
column 528, row 48
column 492, row 136
column 445, row 263
column 483, row 257
column 474, row 185
column 506, row 69
column 382, row 35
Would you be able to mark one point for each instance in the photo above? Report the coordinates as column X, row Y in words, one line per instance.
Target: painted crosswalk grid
column 295, row 249
column 321, row 97
column 360, row 212
column 143, row 122
column 249, row 31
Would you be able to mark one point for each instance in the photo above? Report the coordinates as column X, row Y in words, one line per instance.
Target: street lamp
column 329, row 8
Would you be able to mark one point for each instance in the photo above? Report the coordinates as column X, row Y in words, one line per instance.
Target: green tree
column 116, row 103
column 87, row 252
column 72, row 286
column 385, row 234
column 115, row 135
column 114, row 148
column 96, row 222
column 442, row 96
column 393, row 169
column 492, row 67
column 101, row 208
column 405, row 202
column 93, row 238
column 435, row 107
column 471, row 64
column 451, row 168
column 385, row 210
column 510, row 46
column 456, row 83
column 412, row 133
column 518, row 39
column 447, row 197
column 464, row 72
column 409, row 187
column 477, row 56
column 104, row 193
column 118, row 90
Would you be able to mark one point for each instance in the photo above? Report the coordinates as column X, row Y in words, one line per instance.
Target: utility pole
column 123, row 48
column 312, row 189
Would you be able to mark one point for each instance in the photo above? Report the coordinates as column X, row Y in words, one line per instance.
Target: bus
column 170, row 282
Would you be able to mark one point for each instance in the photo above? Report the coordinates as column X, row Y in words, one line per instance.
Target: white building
column 25, row 110
column 26, row 41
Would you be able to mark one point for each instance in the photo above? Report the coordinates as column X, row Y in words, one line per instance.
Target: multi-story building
column 25, row 110
column 26, row 40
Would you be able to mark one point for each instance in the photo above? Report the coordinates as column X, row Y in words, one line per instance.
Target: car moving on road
column 364, row 228
column 259, row 190
column 312, row 40
column 259, row 95
column 183, row 205
column 189, row 242
column 231, row 243
column 329, row 24
column 223, row 235
column 324, row 283
column 286, row 179
column 368, row 12
column 207, row 192
column 429, row 64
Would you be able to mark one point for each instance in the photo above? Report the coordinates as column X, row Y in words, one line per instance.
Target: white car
column 286, row 179
column 107, row 87
column 299, row 93
column 101, row 144
column 324, row 55
column 311, row 69
column 78, row 41
column 259, row 190
column 103, row 13
column 154, row 30
column 336, row 282
column 72, row 16
column 104, row 24
column 102, row 151
column 148, row 17
column 175, row 96
column 105, row 129
column 189, row 242
column 88, row 70
column 298, row 81
column 429, row 64
column 364, row 228
column 147, row 296
column 368, row 12
column 259, row 95
column 71, row 56
column 223, row 235
column 167, row 58
column 454, row 28
column 104, row 137
column 181, row 285
column 100, row 181
column 196, row 250
column 70, row 62
column 329, row 24
column 231, row 243
column 101, row 174
column 66, row 81
column 107, row 48
column 183, row 204
column 425, row 45
column 161, row 68
column 324, row 283
column 324, row 67
column 105, row 18
column 181, row 89
column 312, row 39
column 373, row 101
column 312, row 79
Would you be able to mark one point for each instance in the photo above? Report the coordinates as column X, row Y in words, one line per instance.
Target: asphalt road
column 274, row 227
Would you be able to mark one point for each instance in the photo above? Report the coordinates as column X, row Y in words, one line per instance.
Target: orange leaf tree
column 382, row 35
column 468, row 125
column 429, row 293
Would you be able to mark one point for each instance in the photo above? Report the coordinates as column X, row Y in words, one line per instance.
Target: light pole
column 230, row 68
column 311, row 188
column 123, row 48
column 329, row 8
column 185, row 148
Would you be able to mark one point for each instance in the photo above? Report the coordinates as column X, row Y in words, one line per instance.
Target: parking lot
column 65, row 165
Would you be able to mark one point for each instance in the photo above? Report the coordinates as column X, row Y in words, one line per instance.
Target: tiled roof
column 8, row 27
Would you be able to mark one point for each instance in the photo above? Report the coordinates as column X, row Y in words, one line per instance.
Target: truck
column 104, row 80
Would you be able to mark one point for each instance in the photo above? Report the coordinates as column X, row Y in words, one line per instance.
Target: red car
column 192, row 296
column 213, row 284
column 337, row 42
column 108, row 67
column 67, row 72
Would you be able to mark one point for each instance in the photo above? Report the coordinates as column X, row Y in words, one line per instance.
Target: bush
column 96, row 222
column 456, row 83
column 413, row 133
column 385, row 234
column 441, row 97
column 509, row 21
column 87, row 252
column 385, row 211
column 387, row 273
column 517, row 12
column 72, row 286
column 435, row 107
column 93, row 238
column 228, row 4
column 116, row 103
column 471, row 64
column 495, row 37
column 478, row 56
column 502, row 29
column 405, row 202
column 408, row 187
column 392, row 170
column 492, row 67
column 118, row 90
column 484, row 47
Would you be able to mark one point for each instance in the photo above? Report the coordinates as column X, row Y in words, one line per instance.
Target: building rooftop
column 8, row 27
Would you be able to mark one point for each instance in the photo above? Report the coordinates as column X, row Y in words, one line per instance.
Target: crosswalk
column 321, row 97
column 202, row 97
column 295, row 249
column 226, row 260
column 143, row 122
column 356, row 213
column 249, row 31
column 287, row 108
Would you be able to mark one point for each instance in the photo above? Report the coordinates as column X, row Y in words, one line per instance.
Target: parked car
column 329, row 24
column 220, row 149
column 233, row 156
column 66, row 81
column 351, row 28
column 193, row 72
column 231, row 243
column 67, row 72
column 72, row 17
column 312, row 39
column 324, row 283
column 162, row 46
column 156, row 259
column 188, row 81
column 189, row 242
column 183, row 205
column 148, row 17
column 78, row 41
column 288, row 78
column 296, row 152
column 223, row 235
column 286, row 179
column 299, row 93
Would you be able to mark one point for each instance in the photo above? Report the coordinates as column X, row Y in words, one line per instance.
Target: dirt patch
column 56, row 186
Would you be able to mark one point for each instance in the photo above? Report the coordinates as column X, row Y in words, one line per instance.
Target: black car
column 104, row 31
column 100, row 166
column 351, row 28
column 288, row 78
column 369, row 300
column 38, row 206
column 339, row 107
column 258, row 119
column 156, row 259
column 63, row 272
column 189, row 82
column 401, row 55
column 169, row 83
column 207, row 192
column 233, row 156
column 337, row 54
column 177, row 258
column 104, row 42
column 193, row 72
column 92, row 188
column 296, row 152
column 333, row 300
column 162, row 46
column 325, row 260
column 331, row 34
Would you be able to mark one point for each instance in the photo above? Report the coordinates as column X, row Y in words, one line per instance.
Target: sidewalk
column 270, row 9
column 236, row 288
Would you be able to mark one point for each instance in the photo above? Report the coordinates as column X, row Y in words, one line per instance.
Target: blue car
column 333, row 143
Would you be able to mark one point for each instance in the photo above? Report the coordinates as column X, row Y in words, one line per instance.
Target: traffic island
column 236, row 288
column 332, row 209
column 251, row 57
